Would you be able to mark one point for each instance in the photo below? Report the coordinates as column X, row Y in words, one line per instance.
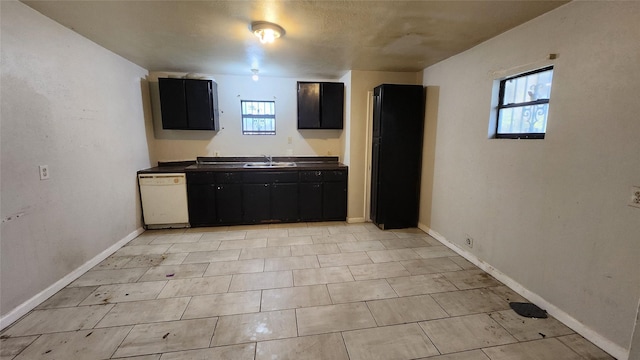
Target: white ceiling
column 323, row 39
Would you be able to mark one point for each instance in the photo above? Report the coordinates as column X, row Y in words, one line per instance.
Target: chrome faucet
column 270, row 158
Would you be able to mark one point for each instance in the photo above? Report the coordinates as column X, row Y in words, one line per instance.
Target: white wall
column 551, row 214
column 70, row 104
column 229, row 141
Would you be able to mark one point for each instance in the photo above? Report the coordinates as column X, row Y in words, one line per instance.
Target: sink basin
column 269, row 165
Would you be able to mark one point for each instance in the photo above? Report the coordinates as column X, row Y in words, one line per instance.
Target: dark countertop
column 306, row 163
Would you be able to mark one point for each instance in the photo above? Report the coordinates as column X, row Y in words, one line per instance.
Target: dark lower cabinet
column 231, row 198
column 202, row 204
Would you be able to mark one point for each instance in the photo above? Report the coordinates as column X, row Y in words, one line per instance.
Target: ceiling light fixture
column 255, row 76
column 266, row 31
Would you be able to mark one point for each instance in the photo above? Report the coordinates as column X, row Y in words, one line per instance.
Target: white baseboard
column 605, row 344
column 356, row 220
column 39, row 298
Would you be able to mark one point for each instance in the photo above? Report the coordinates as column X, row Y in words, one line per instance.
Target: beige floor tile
column 223, row 304
column 466, row 355
column 408, row 232
column 333, row 318
column 360, row 291
column 142, row 357
column 145, row 312
column 287, row 241
column 154, row 260
column 334, row 239
column 295, row 297
column 315, row 249
column 195, row 247
column 525, row 329
column 471, row 279
column 264, row 280
column 288, row 225
column 309, row 231
column 381, row 256
column 465, row 302
column 196, row 286
column 420, row 284
column 236, row 329
column 430, row 266
column 86, row 344
column 67, row 297
column 342, row 259
column 267, row 233
column 506, row 294
column 207, row 229
column 584, row 348
column 106, row 294
column 212, row 256
column 224, row 235
column 463, row 263
column 389, row 342
column 378, row 271
column 291, row 263
column 321, row 276
column 361, row 246
column 231, row 352
column 10, row 347
column 167, row 336
column 430, row 252
column 374, row 235
column 347, row 229
column 549, row 349
column 405, row 310
column 235, row 267
column 105, row 277
column 263, row 253
column 174, row 272
column 404, row 243
column 142, row 250
column 141, row 240
column 316, row 347
column 466, row 333
column 113, row 262
column 58, row 320
column 249, row 227
column 241, row 244
column 176, row 239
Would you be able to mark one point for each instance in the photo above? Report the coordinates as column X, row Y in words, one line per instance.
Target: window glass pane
column 523, row 119
column 528, row 88
column 258, row 117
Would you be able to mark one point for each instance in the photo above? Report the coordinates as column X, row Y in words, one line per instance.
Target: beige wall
column 72, row 105
column 356, row 149
column 170, row 145
column 551, row 214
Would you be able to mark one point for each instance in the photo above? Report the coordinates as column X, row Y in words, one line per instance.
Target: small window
column 258, row 117
column 524, row 104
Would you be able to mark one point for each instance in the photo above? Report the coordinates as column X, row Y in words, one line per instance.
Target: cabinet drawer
column 311, row 176
column 334, row 175
column 201, row 177
column 270, row 177
column 228, row 177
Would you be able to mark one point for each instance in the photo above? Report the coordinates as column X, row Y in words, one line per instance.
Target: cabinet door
column 284, row 201
column 173, row 103
column 229, row 203
column 256, row 202
column 334, row 201
column 202, row 204
column 310, row 201
column 308, row 105
column 331, row 105
column 199, row 104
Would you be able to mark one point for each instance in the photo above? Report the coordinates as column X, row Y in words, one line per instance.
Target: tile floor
column 289, row 291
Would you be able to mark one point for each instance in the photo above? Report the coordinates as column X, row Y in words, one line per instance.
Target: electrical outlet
column 289, row 140
column 635, row 196
column 468, row 240
column 44, row 172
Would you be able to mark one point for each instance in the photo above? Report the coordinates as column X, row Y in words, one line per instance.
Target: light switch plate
column 44, row 172
column 635, row 196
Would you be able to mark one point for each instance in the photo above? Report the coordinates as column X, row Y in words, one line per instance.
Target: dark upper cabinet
column 189, row 104
column 320, row 105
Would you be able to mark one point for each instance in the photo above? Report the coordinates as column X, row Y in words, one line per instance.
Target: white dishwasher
column 164, row 200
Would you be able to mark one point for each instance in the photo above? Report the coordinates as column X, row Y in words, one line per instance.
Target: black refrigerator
column 396, row 162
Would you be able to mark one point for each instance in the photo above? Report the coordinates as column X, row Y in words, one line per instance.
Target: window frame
column 501, row 106
column 257, row 116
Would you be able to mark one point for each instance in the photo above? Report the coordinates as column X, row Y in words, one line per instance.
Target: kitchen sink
column 269, row 165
